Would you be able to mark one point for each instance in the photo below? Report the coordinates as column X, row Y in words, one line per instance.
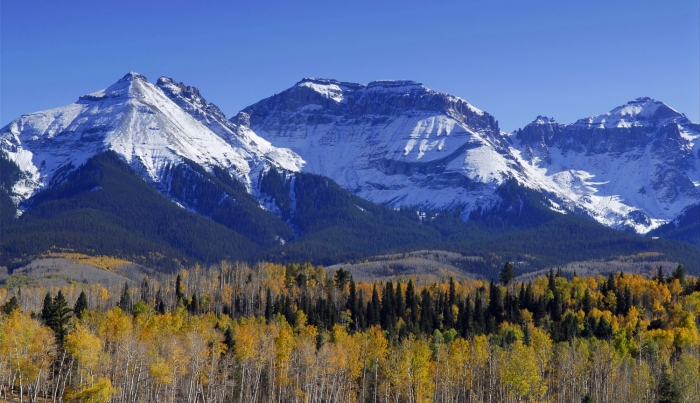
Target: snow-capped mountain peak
column 151, row 127
column 641, row 112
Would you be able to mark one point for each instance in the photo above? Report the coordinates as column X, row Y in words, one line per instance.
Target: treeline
column 297, row 333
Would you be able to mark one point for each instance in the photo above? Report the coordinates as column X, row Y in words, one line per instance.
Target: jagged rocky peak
column 190, row 99
column 174, row 87
column 541, row 131
column 132, row 76
column 242, row 119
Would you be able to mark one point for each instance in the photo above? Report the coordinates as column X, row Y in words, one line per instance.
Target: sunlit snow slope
column 392, row 142
column 636, row 166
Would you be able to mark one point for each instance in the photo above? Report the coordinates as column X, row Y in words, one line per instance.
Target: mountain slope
column 105, row 207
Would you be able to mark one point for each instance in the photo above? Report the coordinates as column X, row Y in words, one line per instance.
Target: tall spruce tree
column 80, row 305
column 507, row 274
column 125, row 300
column 60, row 316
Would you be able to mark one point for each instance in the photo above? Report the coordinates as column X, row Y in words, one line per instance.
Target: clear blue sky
column 514, row 59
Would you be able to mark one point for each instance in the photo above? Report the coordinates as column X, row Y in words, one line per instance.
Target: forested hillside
column 299, row 333
column 105, row 208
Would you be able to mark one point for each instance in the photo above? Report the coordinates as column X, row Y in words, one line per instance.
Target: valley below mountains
column 329, row 171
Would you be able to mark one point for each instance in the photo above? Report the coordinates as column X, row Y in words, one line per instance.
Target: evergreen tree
column 194, row 305
column 400, row 305
column 11, row 305
column 160, row 304
column 479, row 317
column 388, row 315
column 179, row 293
column 80, row 305
column 145, row 290
column 125, row 300
column 453, row 292
column 60, row 316
column 667, row 390
column 229, row 340
column 604, row 329
column 551, row 280
column 374, row 308
column 555, row 307
column 47, row 310
column 341, row 278
column 465, row 318
column 426, row 313
column 496, row 310
column 507, row 274
column 411, row 311
column 679, row 274
column 587, row 302
column 660, row 275
column 527, row 337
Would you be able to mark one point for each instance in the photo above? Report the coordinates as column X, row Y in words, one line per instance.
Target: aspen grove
column 297, row 333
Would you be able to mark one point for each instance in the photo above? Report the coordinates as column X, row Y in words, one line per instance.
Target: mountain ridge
column 392, row 143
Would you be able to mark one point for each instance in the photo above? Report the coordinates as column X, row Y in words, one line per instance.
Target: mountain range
column 338, row 167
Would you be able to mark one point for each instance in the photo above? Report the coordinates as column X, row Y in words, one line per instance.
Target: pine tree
column 527, row 337
column 160, row 304
column 679, row 274
column 194, row 305
column 179, row 294
column 660, row 275
column 60, row 316
column 453, row 292
column 426, row 313
column 667, row 390
column 11, row 305
column 145, row 290
column 495, row 303
column 374, row 308
column 388, row 315
column 411, row 305
column 507, row 274
column 587, row 302
column 400, row 305
column 80, row 305
column 125, row 300
column 47, row 310
column 341, row 278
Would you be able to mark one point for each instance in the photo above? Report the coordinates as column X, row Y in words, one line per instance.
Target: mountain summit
column 152, row 127
column 390, row 142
